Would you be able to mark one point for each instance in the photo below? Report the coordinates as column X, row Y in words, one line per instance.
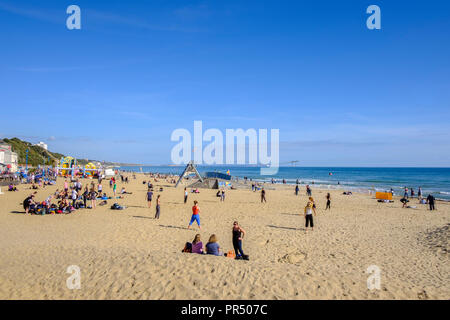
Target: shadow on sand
column 291, row 214
column 287, row 228
column 174, row 227
column 18, row 212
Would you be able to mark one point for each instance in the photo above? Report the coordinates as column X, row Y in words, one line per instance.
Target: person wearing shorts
column 195, row 215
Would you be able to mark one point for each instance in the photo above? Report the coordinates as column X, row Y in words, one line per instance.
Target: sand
column 129, row 255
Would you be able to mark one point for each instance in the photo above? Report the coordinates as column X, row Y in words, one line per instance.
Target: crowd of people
column 430, row 200
column 72, row 197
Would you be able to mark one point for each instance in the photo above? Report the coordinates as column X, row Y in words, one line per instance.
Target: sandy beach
column 127, row 254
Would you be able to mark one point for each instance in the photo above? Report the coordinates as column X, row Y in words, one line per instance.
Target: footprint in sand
column 293, row 258
column 422, row 295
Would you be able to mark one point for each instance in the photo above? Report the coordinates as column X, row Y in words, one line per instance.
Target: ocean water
column 432, row 180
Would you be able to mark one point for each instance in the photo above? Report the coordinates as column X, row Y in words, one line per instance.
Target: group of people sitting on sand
column 213, row 247
column 47, row 207
column 69, row 199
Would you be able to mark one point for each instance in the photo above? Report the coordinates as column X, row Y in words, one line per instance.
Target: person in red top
column 195, row 215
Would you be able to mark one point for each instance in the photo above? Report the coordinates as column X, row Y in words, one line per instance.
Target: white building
column 8, row 158
column 42, row 145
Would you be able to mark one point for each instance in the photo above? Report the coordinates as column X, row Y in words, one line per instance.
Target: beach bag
column 187, row 247
column 230, row 254
column 116, row 206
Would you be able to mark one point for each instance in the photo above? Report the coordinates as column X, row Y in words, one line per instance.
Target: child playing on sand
column 195, row 215
column 185, row 195
column 263, row 195
column 309, row 215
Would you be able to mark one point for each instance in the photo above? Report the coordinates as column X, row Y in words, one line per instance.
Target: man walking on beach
column 263, row 195
column 430, row 201
column 149, row 197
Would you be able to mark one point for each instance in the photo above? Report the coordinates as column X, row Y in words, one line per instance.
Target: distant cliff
column 36, row 155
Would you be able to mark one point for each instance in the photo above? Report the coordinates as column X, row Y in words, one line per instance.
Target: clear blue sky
column 341, row 95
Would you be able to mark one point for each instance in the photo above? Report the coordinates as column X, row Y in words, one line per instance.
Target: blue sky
column 340, row 94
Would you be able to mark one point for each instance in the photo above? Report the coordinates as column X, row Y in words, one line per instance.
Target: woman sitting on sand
column 197, row 245
column 212, row 247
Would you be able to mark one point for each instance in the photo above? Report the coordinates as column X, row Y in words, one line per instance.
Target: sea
column 434, row 181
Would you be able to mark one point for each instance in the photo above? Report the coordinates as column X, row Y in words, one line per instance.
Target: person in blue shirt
column 212, row 247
